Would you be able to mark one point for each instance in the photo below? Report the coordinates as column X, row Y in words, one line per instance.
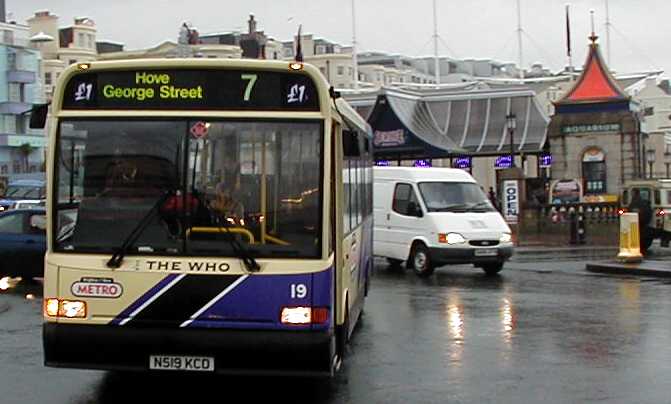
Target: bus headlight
column 506, row 238
column 304, row 315
column 72, row 309
column 51, row 307
column 296, row 315
column 65, row 308
column 451, row 238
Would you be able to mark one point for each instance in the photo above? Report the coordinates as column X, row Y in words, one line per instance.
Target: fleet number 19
column 298, row 290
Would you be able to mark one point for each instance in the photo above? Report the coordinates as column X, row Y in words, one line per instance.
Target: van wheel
column 420, row 260
column 492, row 269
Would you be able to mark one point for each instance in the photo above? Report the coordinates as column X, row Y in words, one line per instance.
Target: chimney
column 251, row 23
column 2, row 11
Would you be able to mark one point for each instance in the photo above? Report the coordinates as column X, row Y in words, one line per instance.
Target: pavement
column 596, row 259
column 657, row 263
column 656, row 268
column 541, row 253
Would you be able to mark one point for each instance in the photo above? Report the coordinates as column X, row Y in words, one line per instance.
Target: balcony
column 14, row 108
column 21, row 76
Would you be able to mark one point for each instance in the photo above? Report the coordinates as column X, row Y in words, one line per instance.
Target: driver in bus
column 226, row 206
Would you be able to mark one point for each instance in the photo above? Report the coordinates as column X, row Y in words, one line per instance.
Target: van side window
column 403, row 195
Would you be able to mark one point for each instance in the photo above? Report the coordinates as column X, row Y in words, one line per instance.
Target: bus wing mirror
column 38, row 116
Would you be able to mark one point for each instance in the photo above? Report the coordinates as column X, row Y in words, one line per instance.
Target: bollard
column 573, row 227
column 581, row 226
column 630, row 241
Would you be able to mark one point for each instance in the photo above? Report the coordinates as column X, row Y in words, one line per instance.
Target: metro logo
column 96, row 289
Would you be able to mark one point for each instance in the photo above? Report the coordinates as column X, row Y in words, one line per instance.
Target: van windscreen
column 454, row 197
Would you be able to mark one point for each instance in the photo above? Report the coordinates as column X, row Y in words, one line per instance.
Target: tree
column 26, row 149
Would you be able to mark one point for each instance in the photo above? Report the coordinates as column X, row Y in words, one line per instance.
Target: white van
column 430, row 217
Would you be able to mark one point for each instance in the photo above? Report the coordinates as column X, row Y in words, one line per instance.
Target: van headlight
column 506, row 238
column 451, row 238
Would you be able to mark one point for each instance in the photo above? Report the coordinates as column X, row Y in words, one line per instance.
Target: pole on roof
column 355, row 61
column 435, row 43
column 519, row 39
column 608, row 34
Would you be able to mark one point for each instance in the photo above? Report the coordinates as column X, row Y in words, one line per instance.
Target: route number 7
column 250, row 84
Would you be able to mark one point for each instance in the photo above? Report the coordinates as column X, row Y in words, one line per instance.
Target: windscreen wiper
column 117, row 258
column 239, row 251
column 448, row 208
column 481, row 204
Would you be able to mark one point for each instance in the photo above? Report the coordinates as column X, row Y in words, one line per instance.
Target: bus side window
column 352, row 155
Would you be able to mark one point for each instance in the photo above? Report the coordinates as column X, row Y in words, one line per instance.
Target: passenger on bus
column 226, row 206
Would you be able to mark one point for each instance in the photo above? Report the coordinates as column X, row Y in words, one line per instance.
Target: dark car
column 23, row 191
column 23, row 243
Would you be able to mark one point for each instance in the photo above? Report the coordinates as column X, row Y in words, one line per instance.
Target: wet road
column 526, row 336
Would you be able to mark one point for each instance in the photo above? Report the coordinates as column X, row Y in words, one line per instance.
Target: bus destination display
column 191, row 89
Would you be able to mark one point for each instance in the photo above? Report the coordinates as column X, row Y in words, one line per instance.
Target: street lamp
column 650, row 156
column 511, row 124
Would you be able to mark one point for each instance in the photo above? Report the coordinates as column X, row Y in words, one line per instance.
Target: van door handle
column 388, row 216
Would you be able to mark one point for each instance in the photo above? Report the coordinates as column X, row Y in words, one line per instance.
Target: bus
column 204, row 215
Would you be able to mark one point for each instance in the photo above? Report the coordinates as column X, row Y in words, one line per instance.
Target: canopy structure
column 448, row 123
column 595, row 89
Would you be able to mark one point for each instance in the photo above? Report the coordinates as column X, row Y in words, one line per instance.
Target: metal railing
column 570, row 224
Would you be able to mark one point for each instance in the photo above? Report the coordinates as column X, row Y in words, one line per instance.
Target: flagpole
column 435, row 43
column 568, row 40
column 519, row 38
column 608, row 33
column 355, row 60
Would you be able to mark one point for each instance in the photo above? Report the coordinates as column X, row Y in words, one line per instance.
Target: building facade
column 61, row 47
column 21, row 149
column 595, row 133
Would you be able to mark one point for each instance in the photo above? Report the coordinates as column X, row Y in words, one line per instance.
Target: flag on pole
column 299, row 49
column 568, row 33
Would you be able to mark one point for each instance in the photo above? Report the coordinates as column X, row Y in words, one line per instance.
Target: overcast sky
column 468, row 28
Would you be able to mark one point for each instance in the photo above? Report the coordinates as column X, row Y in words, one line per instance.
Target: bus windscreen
column 191, row 90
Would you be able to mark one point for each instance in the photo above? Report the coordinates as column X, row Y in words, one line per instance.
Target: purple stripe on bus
column 256, row 303
column 143, row 299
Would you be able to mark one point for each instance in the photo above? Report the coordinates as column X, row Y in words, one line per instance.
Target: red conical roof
column 596, row 84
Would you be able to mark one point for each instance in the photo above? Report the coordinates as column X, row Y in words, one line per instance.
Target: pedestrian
column 642, row 207
column 493, row 199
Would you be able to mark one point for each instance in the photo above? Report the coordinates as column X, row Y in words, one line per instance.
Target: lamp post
column 511, row 124
column 650, row 156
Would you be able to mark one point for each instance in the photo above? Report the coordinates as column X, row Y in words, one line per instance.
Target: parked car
column 22, row 243
column 27, row 191
column 435, row 216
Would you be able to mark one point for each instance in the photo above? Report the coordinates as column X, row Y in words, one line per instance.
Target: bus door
column 352, row 216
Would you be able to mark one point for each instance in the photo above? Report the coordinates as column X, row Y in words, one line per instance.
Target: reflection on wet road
column 455, row 337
